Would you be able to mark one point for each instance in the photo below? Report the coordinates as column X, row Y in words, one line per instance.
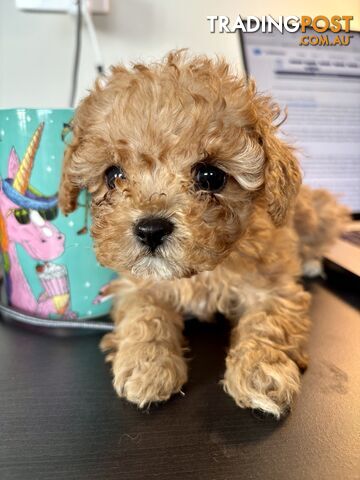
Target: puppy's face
column 174, row 156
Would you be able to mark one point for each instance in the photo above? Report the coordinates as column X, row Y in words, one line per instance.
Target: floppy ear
column 282, row 178
column 75, row 168
column 69, row 186
column 282, row 175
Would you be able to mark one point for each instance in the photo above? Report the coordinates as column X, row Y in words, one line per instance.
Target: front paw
column 148, row 372
column 261, row 377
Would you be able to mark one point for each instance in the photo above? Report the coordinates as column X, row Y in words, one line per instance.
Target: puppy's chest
column 209, row 293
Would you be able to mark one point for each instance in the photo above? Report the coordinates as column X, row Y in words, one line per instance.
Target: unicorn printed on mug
column 25, row 216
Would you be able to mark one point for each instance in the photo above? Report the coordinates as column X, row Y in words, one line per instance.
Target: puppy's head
column 176, row 155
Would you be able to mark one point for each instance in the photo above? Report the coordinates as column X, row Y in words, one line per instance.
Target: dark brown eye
column 209, row 178
column 112, row 174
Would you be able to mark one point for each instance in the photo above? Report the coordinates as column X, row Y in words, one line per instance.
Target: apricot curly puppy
column 193, row 199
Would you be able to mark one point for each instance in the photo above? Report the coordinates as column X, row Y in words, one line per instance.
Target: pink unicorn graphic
column 24, row 220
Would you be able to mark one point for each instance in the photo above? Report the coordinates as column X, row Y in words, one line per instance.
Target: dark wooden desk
column 60, row 419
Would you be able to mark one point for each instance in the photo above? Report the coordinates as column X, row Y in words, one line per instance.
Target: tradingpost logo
column 313, row 29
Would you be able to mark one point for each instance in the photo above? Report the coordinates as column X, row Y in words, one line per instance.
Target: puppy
column 195, row 202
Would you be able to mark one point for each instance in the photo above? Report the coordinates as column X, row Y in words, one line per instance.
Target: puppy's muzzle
column 152, row 231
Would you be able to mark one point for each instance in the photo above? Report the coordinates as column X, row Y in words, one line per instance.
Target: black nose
column 152, row 231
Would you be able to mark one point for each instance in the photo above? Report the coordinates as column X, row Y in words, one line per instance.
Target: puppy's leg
column 266, row 353
column 146, row 350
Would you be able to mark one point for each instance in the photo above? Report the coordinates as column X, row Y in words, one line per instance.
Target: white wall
column 36, row 50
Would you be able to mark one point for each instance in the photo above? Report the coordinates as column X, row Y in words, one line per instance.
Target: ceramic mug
column 49, row 267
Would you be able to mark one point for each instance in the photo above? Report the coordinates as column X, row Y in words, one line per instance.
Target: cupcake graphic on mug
column 54, row 279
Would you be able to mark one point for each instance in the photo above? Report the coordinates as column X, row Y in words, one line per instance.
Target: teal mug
column 49, row 267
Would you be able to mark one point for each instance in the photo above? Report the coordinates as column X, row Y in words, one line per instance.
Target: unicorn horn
column 22, row 178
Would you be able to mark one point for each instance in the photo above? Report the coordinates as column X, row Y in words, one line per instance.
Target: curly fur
column 236, row 251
